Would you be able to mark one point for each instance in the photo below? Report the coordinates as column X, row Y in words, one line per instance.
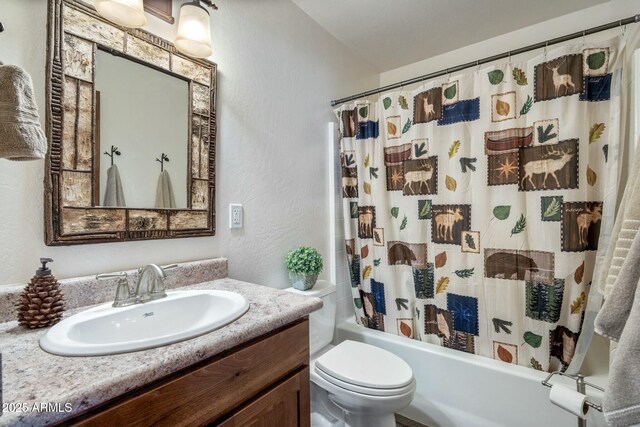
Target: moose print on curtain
column 474, row 204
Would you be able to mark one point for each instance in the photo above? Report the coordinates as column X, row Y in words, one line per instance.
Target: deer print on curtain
column 474, row 204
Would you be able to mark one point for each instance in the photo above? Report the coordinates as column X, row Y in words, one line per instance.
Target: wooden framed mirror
column 97, row 74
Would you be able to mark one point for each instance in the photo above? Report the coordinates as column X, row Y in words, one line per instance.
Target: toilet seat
column 370, row 391
column 365, row 369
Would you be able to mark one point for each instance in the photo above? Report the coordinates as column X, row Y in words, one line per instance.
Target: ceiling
column 393, row 33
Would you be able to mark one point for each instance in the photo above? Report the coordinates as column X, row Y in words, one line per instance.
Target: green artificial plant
column 304, row 260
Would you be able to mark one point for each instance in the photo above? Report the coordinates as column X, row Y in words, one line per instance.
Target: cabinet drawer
column 285, row 405
column 210, row 389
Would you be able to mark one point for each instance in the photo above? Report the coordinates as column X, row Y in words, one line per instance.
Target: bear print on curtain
column 473, row 204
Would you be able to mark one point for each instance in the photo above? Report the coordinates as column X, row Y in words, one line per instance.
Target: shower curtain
column 474, row 205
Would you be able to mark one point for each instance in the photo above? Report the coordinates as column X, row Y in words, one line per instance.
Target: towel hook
column 163, row 158
column 114, row 150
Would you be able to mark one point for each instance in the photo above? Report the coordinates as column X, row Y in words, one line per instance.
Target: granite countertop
column 32, row 376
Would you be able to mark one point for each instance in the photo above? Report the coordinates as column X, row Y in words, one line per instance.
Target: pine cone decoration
column 41, row 303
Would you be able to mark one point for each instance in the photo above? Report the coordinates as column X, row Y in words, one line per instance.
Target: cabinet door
column 285, row 405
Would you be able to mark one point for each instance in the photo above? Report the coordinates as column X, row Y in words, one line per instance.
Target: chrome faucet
column 149, row 285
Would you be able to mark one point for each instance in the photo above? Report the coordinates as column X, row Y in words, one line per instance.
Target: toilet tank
column 321, row 322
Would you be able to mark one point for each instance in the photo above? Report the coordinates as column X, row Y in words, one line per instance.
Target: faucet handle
column 124, row 296
column 165, row 268
column 106, row 276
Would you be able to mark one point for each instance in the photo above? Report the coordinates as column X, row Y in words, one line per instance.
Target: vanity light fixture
column 128, row 13
column 194, row 29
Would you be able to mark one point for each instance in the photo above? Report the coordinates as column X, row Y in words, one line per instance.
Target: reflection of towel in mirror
column 619, row 320
column 113, row 194
column 164, row 193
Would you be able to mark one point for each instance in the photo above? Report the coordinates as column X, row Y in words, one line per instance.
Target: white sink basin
column 108, row 330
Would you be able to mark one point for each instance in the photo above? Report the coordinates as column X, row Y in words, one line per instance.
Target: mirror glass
column 142, row 123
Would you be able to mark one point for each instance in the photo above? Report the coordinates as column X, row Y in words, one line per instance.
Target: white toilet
column 353, row 383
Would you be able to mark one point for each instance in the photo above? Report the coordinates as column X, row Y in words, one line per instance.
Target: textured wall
column 278, row 71
column 562, row 25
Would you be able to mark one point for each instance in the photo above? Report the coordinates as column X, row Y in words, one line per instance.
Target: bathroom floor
column 406, row 422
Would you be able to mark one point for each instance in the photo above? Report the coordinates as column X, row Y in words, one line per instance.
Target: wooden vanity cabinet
column 264, row 382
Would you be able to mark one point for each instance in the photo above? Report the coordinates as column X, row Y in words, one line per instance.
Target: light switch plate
column 235, row 216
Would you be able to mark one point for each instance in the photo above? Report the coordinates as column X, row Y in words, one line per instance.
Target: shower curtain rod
column 614, row 24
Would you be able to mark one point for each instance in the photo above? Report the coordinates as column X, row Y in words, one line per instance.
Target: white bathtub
column 457, row 389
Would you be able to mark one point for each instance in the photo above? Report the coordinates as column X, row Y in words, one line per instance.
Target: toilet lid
column 365, row 365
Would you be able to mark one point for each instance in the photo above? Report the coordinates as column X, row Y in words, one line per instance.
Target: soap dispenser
column 41, row 304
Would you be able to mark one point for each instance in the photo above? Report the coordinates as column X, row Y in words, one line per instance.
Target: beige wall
column 278, row 70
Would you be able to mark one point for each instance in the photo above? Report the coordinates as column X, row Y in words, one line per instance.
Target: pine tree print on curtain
column 474, row 204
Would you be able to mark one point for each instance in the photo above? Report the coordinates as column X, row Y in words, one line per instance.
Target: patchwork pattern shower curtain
column 474, row 204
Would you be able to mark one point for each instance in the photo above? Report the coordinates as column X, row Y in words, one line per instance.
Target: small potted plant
column 304, row 265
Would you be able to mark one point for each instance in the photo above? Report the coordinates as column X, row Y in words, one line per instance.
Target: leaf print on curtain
column 474, row 203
